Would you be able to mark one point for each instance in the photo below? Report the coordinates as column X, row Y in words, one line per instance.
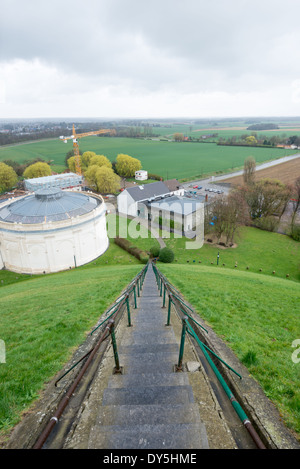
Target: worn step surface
column 150, row 405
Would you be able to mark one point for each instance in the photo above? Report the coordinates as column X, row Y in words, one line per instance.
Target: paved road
column 212, row 182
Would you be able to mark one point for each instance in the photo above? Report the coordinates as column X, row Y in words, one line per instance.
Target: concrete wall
column 126, row 204
column 52, row 247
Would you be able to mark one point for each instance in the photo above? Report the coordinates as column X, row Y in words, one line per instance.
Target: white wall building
column 129, row 199
column 52, row 230
column 141, row 175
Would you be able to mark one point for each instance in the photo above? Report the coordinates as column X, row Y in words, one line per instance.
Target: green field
column 258, row 317
column 168, row 159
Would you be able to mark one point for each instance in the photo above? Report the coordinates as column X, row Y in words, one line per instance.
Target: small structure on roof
column 62, row 181
column 141, row 175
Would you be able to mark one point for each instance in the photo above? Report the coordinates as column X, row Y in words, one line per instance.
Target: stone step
column 164, row 336
column 155, row 414
column 148, row 379
column 148, row 395
column 148, row 348
column 165, row 436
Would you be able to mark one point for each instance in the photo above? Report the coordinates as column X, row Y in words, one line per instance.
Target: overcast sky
column 158, row 58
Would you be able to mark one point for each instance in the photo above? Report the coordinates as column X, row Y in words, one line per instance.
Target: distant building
column 162, row 200
column 141, row 175
column 61, row 181
column 128, row 199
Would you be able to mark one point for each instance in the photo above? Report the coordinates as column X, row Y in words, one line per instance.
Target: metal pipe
column 183, row 331
column 53, row 421
column 114, row 344
column 235, row 404
column 46, row 432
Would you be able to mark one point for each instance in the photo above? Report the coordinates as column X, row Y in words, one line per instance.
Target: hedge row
column 131, row 249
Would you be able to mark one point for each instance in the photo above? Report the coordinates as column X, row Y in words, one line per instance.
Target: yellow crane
column 75, row 137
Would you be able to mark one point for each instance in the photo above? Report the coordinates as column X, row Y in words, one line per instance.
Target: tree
column 100, row 160
column 295, row 201
column 251, row 140
column 249, row 170
column 8, row 177
column 71, row 163
column 103, row 179
column 126, row 165
column 178, row 137
column 228, row 214
column 86, row 158
column 37, row 170
column 266, row 198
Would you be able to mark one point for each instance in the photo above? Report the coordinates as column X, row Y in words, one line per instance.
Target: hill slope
column 258, row 317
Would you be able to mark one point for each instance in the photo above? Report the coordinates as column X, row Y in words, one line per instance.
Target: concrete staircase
column 149, row 406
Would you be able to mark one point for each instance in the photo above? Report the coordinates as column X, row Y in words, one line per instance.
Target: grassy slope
column 258, row 316
column 42, row 320
column 255, row 249
column 39, row 336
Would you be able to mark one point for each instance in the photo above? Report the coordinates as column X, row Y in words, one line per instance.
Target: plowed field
column 286, row 172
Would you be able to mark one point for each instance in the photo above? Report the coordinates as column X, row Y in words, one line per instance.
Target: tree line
column 100, row 174
column 259, row 203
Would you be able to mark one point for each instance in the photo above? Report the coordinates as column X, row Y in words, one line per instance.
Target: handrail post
column 134, row 293
column 164, row 298
column 117, row 368
column 179, row 366
column 128, row 310
column 169, row 310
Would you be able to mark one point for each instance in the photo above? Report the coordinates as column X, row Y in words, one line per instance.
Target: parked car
column 195, row 187
column 199, row 187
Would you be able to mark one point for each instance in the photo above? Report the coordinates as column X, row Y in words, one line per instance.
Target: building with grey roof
column 163, row 201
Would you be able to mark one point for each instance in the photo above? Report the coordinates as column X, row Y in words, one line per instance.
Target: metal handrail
column 186, row 327
column 108, row 331
column 118, row 303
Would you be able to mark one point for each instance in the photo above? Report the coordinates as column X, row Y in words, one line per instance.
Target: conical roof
column 46, row 205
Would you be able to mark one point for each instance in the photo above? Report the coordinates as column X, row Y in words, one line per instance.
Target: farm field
column 286, row 172
column 168, row 159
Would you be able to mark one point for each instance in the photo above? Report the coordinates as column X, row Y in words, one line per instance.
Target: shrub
column 154, row 251
column 166, row 255
column 133, row 250
column 295, row 234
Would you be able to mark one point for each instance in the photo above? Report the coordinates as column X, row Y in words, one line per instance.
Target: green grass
column 42, row 321
column 168, row 159
column 44, row 318
column 256, row 249
column 258, row 317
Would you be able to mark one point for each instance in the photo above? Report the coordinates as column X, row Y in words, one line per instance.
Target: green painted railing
column 181, row 306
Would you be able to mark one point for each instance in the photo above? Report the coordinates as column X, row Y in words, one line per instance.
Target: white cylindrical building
column 52, row 230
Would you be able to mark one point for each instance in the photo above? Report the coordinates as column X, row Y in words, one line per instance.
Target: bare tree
column 249, row 170
column 296, row 200
column 228, row 213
